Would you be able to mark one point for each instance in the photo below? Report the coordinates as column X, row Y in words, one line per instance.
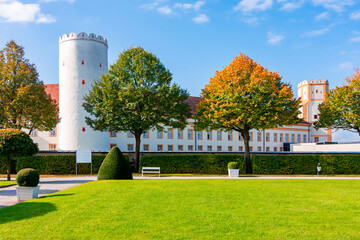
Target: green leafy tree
column 245, row 96
column 136, row 95
column 15, row 143
column 23, row 100
column 341, row 108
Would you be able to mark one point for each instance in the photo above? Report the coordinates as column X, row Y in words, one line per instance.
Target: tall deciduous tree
column 341, row 109
column 23, row 100
column 136, row 95
column 15, row 143
column 245, row 96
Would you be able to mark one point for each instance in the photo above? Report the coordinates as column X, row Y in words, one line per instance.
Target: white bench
column 150, row 170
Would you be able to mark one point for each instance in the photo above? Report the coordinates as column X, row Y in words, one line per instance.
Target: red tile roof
column 53, row 90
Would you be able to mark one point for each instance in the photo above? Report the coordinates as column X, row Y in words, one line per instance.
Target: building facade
column 83, row 58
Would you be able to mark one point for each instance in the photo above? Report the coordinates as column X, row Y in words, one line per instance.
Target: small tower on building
column 82, row 59
column 312, row 93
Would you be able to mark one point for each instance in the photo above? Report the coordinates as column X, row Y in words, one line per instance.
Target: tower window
column 63, row 63
column 100, row 65
column 82, row 62
column 83, row 82
column 315, row 116
column 83, row 129
column 317, row 91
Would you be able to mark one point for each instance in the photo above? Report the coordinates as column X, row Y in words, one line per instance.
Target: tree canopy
column 136, row 95
column 341, row 108
column 23, row 100
column 244, row 96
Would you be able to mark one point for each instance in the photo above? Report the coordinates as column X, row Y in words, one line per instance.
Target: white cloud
column 274, row 39
column 317, row 32
column 165, row 10
column 188, row 6
column 49, row 1
column 250, row 5
column 202, row 18
column 335, row 5
column 290, row 6
column 322, row 16
column 153, row 5
column 42, row 18
column 355, row 15
column 346, row 65
column 355, row 39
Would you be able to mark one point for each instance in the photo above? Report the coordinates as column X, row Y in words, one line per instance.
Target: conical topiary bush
column 114, row 166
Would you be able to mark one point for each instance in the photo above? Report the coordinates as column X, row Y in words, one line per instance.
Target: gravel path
column 54, row 184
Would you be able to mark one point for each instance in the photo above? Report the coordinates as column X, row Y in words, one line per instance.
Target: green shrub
column 27, row 177
column 114, row 166
column 233, row 165
column 193, row 163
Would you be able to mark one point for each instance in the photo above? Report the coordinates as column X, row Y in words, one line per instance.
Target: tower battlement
column 83, row 36
column 306, row 82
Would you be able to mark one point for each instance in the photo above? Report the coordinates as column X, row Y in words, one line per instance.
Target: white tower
column 82, row 59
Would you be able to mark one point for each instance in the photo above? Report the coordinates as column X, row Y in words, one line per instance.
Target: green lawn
column 7, row 183
column 191, row 209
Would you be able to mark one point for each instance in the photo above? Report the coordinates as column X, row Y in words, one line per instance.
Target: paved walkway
column 54, row 184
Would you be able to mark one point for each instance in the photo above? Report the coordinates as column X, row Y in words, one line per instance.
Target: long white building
column 83, row 58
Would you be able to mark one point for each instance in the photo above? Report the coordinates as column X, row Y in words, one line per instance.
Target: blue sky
column 300, row 39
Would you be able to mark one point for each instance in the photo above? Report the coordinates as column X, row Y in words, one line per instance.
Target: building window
column 267, row 137
column 275, row 137
column 286, row 137
column 316, row 139
column 298, row 138
column 52, row 147
column 146, row 134
column 146, row 147
column 251, row 149
column 315, row 116
column 130, row 135
column 170, row 133
column 190, row 134
column 251, row 136
column 159, row 134
column 209, row 135
column 33, row 133
column 259, row 136
column 100, row 65
column 190, row 148
column 275, row 149
column 82, row 62
column 281, row 137
column 304, row 138
column 83, row 82
column 113, row 145
column 268, row 149
column 230, row 148
column 230, row 136
column 292, row 138
column 218, row 148
column 52, row 132
column 240, row 137
column 199, row 135
column 83, row 129
column 180, row 134
column 209, row 148
column 159, row 147
column 113, row 134
column 259, row 149
column 200, row 147
column 170, row 148
column 241, row 149
column 218, row 135
column 130, row 147
column 281, row 149
column 180, row 148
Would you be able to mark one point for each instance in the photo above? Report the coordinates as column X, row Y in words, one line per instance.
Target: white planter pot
column 27, row 193
column 233, row 172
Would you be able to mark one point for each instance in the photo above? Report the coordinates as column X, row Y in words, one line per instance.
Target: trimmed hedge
column 193, row 163
column 114, row 166
column 282, row 164
column 59, row 164
column 27, row 177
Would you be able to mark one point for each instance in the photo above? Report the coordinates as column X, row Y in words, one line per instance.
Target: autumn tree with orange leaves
column 245, row 96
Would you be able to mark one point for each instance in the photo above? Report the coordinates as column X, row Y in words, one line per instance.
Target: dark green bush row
column 56, row 164
column 194, row 163
column 262, row 164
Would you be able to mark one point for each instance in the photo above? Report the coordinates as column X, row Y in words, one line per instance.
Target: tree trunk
column 246, row 135
column 8, row 168
column 137, row 149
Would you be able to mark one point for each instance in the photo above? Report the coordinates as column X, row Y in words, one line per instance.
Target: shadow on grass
column 25, row 210
column 57, row 195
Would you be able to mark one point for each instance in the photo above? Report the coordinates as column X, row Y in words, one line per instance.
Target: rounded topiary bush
column 27, row 177
column 114, row 166
column 233, row 165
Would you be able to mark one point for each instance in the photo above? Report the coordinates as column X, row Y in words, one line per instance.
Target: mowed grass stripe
column 196, row 209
